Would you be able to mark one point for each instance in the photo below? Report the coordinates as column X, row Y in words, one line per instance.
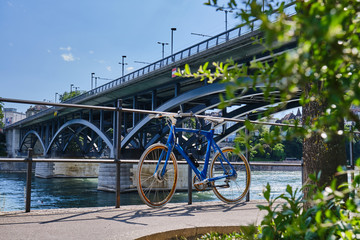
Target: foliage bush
column 334, row 213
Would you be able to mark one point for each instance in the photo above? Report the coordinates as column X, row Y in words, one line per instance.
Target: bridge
column 90, row 133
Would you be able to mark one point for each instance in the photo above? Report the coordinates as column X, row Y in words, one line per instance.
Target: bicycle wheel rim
column 153, row 191
column 237, row 187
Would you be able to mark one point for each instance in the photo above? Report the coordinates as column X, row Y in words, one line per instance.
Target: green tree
column 2, row 144
column 324, row 69
column 2, row 135
column 67, row 95
column 278, row 152
column 1, row 115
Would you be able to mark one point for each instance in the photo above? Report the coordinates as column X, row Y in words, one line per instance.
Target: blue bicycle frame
column 202, row 175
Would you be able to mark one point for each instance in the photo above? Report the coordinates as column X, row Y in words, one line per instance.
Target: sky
column 47, row 45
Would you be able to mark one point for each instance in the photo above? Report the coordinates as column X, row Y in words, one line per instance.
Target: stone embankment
column 294, row 165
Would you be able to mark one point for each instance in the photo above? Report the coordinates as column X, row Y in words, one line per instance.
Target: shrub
column 333, row 213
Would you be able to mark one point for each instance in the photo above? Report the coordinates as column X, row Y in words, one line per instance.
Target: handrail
column 134, row 161
column 30, row 160
column 141, row 111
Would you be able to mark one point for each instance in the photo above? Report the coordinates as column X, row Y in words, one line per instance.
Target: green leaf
column 187, row 69
column 267, row 192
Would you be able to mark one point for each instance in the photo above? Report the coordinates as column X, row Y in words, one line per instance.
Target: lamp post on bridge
column 226, row 12
column 71, row 87
column 92, row 80
column 163, row 45
column 172, row 41
column 56, row 94
column 123, row 64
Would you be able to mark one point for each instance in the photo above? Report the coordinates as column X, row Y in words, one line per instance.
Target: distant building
column 290, row 117
column 356, row 111
column 220, row 129
column 32, row 110
column 12, row 116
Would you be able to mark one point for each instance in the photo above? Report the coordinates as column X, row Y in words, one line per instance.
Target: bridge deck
column 129, row 222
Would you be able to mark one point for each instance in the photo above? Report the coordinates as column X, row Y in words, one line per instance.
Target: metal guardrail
column 30, row 160
column 214, row 41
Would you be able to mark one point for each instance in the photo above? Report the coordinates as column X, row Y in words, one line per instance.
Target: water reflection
column 82, row 192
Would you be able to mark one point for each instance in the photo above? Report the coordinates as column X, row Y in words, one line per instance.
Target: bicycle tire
column 230, row 189
column 153, row 190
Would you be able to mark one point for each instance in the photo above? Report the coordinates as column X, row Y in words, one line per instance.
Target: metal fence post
column 28, row 180
column 247, row 156
column 189, row 185
column 118, row 150
column 351, row 150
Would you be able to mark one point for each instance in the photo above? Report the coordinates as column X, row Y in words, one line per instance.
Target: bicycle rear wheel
column 233, row 188
column 156, row 190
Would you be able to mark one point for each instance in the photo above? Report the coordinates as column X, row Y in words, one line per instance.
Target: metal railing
column 29, row 159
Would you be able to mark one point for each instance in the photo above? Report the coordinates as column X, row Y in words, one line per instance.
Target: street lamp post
column 92, row 79
column 163, row 45
column 71, row 87
column 56, row 94
column 123, row 64
column 226, row 12
column 172, row 40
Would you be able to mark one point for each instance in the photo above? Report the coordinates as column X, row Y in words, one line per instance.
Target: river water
column 81, row 192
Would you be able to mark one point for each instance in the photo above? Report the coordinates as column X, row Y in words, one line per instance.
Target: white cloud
column 65, row 48
column 49, row 51
column 91, row 52
column 68, row 57
column 129, row 69
column 108, row 68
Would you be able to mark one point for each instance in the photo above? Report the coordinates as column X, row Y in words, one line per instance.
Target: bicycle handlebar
column 173, row 117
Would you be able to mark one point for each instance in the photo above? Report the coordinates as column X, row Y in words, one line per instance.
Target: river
column 81, row 192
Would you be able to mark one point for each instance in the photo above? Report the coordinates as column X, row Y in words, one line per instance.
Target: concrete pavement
column 129, row 222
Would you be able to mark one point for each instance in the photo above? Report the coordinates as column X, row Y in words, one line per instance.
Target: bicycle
column 157, row 172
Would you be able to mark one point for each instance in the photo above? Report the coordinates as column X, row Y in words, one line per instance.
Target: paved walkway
column 128, row 222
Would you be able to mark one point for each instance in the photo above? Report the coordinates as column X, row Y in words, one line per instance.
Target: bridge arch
column 86, row 124
column 38, row 138
column 204, row 91
column 185, row 97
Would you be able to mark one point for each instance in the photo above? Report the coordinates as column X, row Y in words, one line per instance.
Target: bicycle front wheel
column 156, row 187
column 230, row 189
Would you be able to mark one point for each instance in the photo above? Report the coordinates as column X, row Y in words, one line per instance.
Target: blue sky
column 47, row 45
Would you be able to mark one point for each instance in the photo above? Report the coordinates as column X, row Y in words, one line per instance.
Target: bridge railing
column 214, row 41
column 211, row 42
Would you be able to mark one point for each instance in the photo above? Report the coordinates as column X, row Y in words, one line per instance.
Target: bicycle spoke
column 153, row 189
column 235, row 188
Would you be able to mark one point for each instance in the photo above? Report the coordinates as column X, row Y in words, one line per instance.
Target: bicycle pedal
column 201, row 186
column 201, row 183
column 223, row 186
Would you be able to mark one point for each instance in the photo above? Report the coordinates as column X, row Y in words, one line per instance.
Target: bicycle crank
column 200, row 185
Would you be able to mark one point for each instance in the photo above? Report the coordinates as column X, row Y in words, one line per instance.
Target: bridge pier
column 107, row 174
column 44, row 170
column 12, row 141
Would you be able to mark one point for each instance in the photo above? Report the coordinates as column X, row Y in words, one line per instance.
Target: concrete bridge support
column 12, row 148
column 12, row 141
column 107, row 173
